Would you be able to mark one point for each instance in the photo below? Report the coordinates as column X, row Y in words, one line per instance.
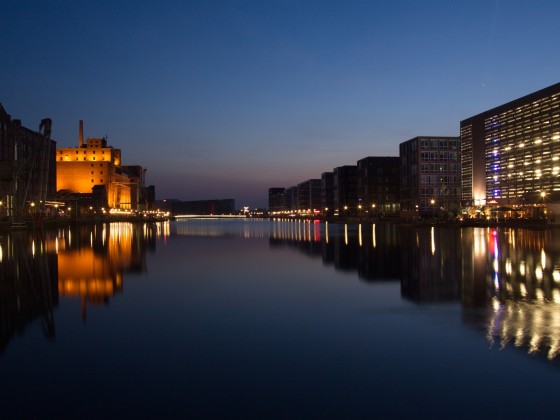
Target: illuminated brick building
column 80, row 169
column 511, row 154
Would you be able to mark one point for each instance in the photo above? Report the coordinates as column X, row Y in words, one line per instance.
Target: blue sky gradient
column 224, row 99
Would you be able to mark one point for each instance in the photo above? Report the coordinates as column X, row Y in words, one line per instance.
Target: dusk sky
column 224, row 99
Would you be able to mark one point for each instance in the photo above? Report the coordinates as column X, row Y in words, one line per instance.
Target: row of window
column 77, row 151
column 438, row 156
column 61, row 159
column 438, row 144
column 439, row 180
column 440, row 192
column 439, row 167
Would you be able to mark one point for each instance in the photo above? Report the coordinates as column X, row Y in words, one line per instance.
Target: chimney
column 81, row 134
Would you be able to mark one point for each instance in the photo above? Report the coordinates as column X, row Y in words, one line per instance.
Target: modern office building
column 309, row 196
column 430, row 175
column 511, row 154
column 27, row 166
column 378, row 184
column 346, row 189
column 276, row 199
column 291, row 198
column 327, row 193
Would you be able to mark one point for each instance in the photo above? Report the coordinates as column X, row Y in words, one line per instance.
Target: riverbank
column 510, row 223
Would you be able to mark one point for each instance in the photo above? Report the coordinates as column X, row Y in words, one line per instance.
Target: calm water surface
column 281, row 319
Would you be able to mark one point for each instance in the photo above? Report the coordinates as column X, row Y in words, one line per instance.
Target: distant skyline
column 224, row 99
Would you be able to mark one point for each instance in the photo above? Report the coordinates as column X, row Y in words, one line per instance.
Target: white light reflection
column 523, row 289
column 327, row 232
column 373, row 236
column 360, row 234
column 543, row 259
column 1, row 253
column 346, row 234
column 509, row 267
column 539, row 273
column 433, row 240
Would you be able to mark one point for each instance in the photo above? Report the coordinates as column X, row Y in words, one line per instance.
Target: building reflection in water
column 507, row 280
column 514, row 276
column 28, row 288
column 345, row 247
column 87, row 262
column 431, row 264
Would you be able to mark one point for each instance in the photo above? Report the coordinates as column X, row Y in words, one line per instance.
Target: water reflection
column 87, row 262
column 345, row 247
column 507, row 280
column 28, row 288
column 512, row 276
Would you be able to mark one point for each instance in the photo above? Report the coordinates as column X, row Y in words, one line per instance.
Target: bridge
column 209, row 216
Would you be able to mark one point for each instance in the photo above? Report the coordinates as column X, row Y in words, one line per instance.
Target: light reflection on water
column 231, row 283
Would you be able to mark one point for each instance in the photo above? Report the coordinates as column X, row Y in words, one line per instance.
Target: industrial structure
column 95, row 169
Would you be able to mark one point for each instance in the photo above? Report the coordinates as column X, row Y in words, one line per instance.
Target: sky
column 225, row 99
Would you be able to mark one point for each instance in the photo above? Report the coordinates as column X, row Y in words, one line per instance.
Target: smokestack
column 81, row 134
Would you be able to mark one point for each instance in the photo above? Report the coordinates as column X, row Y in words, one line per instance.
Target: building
column 276, row 199
column 327, row 193
column 430, row 175
column 80, row 169
column 345, row 185
column 378, row 184
column 309, row 196
column 291, row 198
column 510, row 154
column 27, row 167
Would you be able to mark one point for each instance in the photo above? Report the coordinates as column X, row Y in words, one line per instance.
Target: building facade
column 327, row 193
column 309, row 196
column 345, row 185
column 378, row 184
column 27, row 167
column 511, row 154
column 430, row 175
column 80, row 169
column 276, row 199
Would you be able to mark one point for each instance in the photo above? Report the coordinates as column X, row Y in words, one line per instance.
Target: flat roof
column 547, row 91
